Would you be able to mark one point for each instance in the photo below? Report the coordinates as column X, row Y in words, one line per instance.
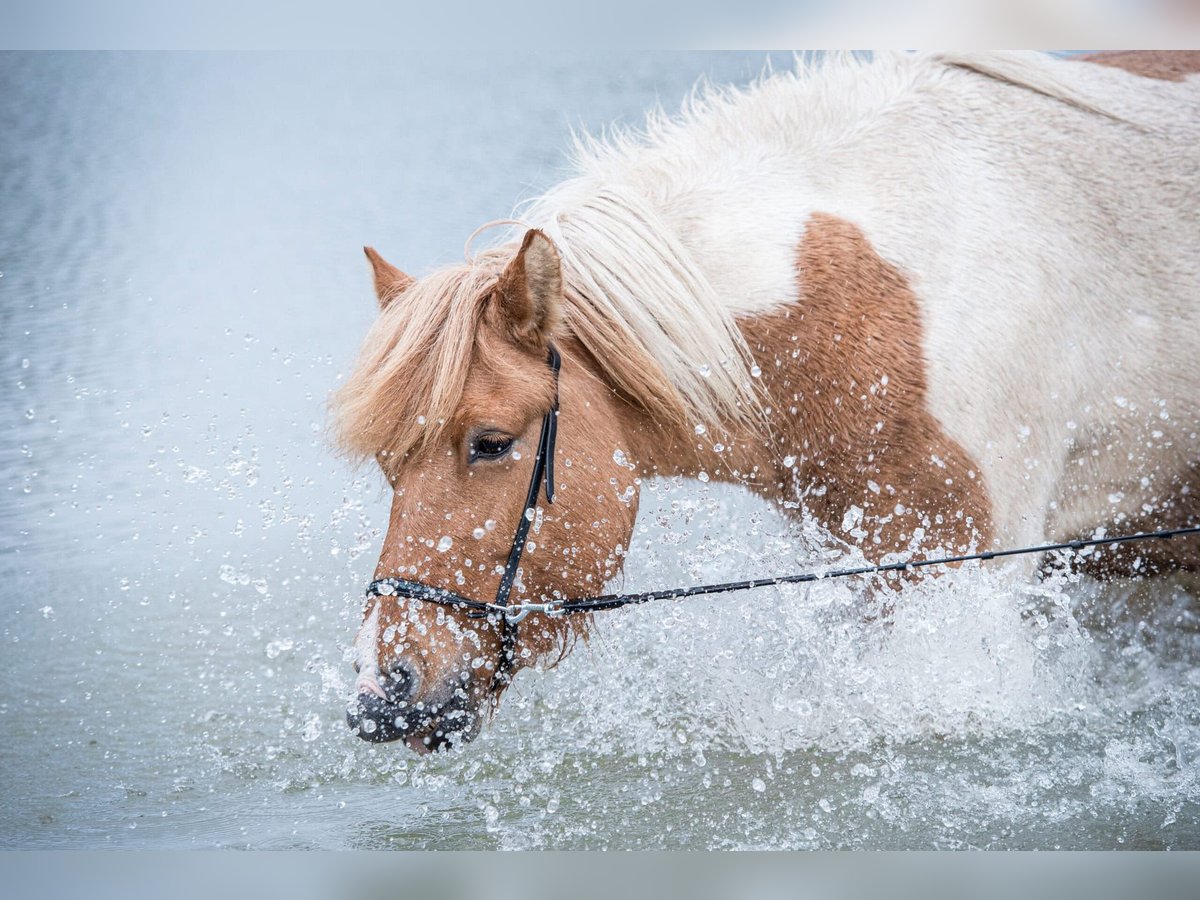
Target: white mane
column 622, row 263
column 634, row 224
column 676, row 230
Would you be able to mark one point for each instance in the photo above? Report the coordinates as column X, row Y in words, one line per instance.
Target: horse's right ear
column 390, row 282
column 530, row 289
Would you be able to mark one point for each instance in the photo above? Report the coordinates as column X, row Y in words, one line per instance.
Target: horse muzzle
column 389, row 711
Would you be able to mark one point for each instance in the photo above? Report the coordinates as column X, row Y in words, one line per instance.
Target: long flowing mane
column 633, row 296
column 636, row 296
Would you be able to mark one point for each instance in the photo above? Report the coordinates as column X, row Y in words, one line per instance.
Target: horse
column 933, row 301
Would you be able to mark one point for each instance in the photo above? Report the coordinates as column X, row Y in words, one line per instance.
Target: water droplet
column 29, row 413
column 478, row 533
column 755, row 371
column 312, row 729
column 705, row 370
column 789, row 461
column 718, row 447
column 703, row 476
column 516, row 454
column 700, row 429
column 420, row 420
column 759, row 785
column 444, row 544
column 490, row 524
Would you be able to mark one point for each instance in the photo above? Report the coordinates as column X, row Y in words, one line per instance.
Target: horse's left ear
column 530, row 289
column 390, row 282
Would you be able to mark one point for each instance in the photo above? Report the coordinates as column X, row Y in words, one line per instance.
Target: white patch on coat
column 1044, row 211
column 366, row 654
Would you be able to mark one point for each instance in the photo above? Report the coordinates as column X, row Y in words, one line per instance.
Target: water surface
column 182, row 555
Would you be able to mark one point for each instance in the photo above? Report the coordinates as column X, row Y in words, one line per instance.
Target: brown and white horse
column 934, row 301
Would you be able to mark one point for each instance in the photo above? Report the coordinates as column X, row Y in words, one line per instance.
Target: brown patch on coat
column 846, row 365
column 1179, row 509
column 1165, row 65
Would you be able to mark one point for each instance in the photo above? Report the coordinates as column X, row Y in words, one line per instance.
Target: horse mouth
column 424, row 727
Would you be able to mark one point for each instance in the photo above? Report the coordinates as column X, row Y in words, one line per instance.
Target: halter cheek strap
column 543, row 469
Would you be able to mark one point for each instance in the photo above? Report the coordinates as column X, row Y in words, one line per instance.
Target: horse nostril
column 399, row 683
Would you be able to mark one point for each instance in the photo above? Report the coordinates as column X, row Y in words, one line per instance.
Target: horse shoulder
column 847, row 365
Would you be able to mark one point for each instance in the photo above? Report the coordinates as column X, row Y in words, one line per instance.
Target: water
column 182, row 556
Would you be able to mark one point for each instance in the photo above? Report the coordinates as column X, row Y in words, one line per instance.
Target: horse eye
column 489, row 446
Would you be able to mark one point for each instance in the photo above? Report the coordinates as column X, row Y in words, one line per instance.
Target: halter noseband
column 509, row 617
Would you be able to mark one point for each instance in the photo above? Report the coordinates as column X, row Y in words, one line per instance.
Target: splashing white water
column 829, row 665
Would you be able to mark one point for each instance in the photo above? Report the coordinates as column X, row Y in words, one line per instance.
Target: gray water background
column 182, row 554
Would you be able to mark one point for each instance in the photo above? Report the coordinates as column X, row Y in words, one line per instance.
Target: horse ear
column 390, row 282
column 530, row 289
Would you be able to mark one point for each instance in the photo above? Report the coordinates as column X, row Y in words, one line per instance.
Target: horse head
column 449, row 396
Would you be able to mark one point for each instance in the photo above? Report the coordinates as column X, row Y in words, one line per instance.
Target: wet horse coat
column 934, row 301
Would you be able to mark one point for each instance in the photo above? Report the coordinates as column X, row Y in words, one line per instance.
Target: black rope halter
column 499, row 611
column 509, row 616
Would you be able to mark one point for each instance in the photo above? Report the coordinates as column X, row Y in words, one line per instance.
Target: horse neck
column 747, row 452
column 822, row 429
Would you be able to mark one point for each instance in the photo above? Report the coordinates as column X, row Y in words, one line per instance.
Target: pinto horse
column 952, row 301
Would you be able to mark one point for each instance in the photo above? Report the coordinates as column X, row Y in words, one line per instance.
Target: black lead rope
column 479, row 609
column 509, row 616
column 615, row 601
